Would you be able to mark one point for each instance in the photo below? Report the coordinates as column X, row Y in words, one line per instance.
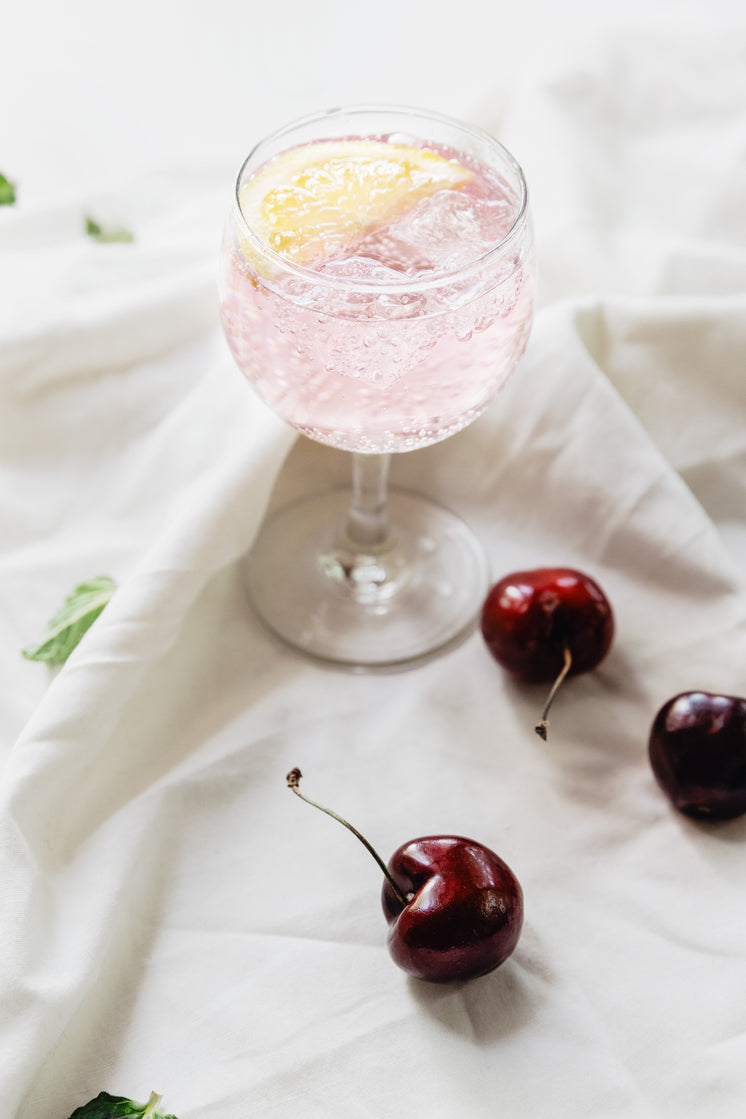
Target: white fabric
column 172, row 919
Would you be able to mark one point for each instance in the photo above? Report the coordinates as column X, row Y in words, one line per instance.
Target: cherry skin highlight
column 530, row 618
column 464, row 910
column 697, row 750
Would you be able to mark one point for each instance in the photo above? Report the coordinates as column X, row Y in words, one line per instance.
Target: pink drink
column 402, row 337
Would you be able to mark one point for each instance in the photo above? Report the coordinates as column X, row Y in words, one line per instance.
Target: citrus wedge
column 311, row 202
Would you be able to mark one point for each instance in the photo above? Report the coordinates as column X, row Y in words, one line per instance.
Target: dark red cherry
column 454, row 908
column 546, row 624
column 464, row 909
column 530, row 617
column 697, row 749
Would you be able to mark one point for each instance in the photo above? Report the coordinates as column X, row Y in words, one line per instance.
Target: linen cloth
column 172, row 919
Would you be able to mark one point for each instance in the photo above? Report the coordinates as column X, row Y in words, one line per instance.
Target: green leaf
column 117, row 1107
column 7, row 192
column 74, row 618
column 98, row 233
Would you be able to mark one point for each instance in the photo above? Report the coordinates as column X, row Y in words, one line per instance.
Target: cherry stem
column 293, row 780
column 542, row 726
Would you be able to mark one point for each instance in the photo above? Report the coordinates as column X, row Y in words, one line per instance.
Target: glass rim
column 481, row 263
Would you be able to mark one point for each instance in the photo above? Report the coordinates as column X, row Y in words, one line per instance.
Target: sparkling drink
column 377, row 290
column 387, row 331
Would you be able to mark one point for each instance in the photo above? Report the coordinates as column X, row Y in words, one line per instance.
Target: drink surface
column 377, row 294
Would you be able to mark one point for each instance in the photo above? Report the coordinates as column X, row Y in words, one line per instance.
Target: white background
column 93, row 93
column 171, row 919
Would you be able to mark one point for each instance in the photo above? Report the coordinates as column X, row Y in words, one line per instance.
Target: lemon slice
column 310, row 202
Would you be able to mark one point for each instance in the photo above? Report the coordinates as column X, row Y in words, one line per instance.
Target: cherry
column 454, row 908
column 463, row 913
column 697, row 749
column 545, row 624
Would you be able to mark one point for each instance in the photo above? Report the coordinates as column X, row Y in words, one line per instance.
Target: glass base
column 383, row 607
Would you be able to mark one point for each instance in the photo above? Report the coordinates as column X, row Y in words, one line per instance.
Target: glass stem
column 367, row 528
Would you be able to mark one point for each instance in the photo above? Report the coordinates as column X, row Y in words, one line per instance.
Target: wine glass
column 377, row 290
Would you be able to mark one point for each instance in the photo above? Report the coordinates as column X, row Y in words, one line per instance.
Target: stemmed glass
column 375, row 327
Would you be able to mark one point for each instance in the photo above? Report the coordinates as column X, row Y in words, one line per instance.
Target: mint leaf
column 74, row 618
column 117, row 1107
column 98, row 233
column 7, row 192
